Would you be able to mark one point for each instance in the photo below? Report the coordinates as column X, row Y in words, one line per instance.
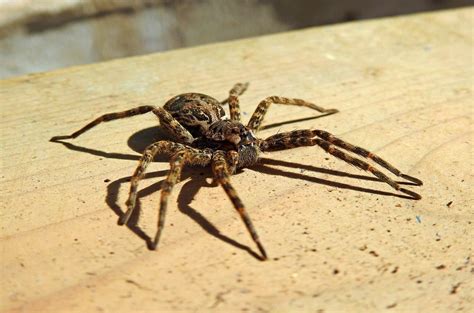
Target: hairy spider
column 204, row 136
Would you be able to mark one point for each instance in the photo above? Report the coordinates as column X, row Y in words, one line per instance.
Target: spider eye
column 199, row 115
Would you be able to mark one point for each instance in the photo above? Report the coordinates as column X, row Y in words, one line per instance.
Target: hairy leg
column 262, row 108
column 237, row 89
column 173, row 126
column 232, row 157
column 176, row 165
column 366, row 154
column 166, row 120
column 233, row 100
column 106, row 118
column 167, row 147
column 300, row 138
column 189, row 155
column 180, row 154
column 221, row 174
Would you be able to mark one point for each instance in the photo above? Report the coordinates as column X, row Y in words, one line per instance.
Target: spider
column 204, row 136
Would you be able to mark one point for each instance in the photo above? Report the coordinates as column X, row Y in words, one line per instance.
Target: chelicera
column 204, row 136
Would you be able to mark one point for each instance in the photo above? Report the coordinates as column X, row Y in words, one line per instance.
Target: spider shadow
column 195, row 180
column 137, row 142
column 303, row 119
column 99, row 153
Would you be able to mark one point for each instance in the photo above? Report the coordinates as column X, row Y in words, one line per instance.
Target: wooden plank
column 336, row 239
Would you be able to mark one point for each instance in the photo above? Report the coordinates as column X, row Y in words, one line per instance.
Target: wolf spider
column 204, row 136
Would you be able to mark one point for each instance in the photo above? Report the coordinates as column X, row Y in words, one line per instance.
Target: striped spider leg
column 166, row 120
column 222, row 175
column 329, row 142
column 257, row 117
column 180, row 155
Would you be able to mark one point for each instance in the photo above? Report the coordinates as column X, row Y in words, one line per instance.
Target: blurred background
column 41, row 35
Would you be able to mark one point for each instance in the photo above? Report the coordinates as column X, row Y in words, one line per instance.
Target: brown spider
column 204, row 136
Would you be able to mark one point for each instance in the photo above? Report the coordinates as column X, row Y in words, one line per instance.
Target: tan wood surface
column 337, row 239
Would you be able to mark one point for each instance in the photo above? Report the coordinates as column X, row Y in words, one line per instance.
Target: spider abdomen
column 195, row 111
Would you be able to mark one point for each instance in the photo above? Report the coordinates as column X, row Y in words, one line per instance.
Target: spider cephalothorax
column 230, row 131
column 204, row 136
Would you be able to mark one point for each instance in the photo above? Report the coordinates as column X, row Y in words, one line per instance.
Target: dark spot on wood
column 454, row 289
column 440, row 267
column 449, row 204
column 372, row 252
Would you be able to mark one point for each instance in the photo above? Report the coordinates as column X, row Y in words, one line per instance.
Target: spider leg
column 221, row 174
column 106, row 118
column 233, row 160
column 149, row 154
column 262, row 108
column 176, row 165
column 180, row 154
column 366, row 154
column 300, row 138
column 233, row 100
column 173, row 126
column 238, row 89
column 166, row 120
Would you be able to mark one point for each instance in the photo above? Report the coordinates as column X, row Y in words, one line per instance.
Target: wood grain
column 337, row 240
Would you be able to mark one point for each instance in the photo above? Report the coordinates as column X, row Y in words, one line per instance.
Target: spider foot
column 412, row 194
column 242, row 87
column 416, row 181
column 331, row 111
